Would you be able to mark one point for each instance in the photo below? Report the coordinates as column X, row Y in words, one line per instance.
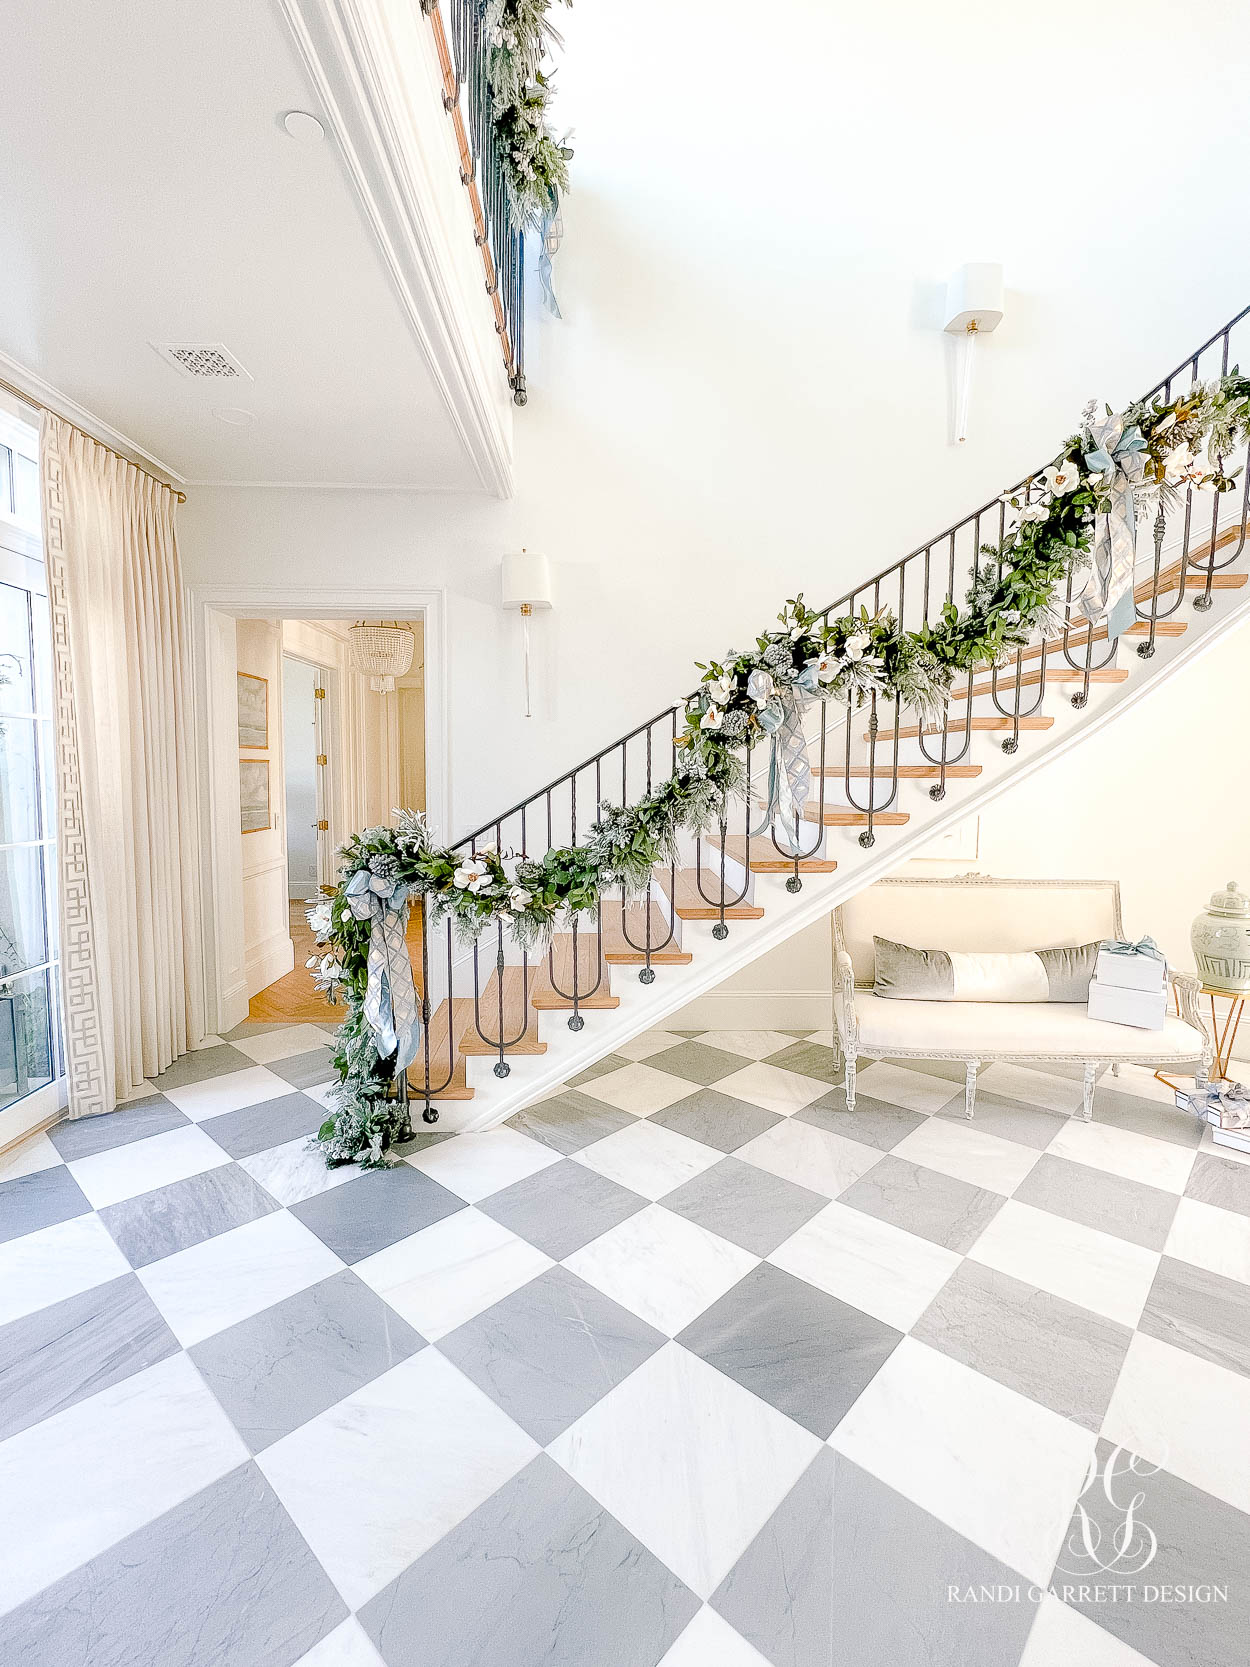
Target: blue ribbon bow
column 1143, row 946
column 390, row 995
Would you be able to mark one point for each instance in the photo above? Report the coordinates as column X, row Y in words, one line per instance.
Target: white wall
column 749, row 393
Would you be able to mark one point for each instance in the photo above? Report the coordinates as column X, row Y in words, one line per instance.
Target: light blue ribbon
column 789, row 772
column 1143, row 946
column 1230, row 1101
column 1107, row 591
column 390, row 1005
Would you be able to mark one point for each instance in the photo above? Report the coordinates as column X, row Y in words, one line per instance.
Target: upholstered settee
column 975, row 913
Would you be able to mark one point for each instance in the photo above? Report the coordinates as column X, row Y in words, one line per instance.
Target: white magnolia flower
column 720, row 691
column 711, row 719
column 473, row 876
column 826, row 668
column 330, row 969
column 1061, row 478
column 319, row 920
column 519, row 899
column 1034, row 512
column 1188, row 468
column 854, row 648
column 761, row 687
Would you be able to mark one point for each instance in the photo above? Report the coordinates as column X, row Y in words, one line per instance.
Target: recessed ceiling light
column 235, row 415
column 300, row 125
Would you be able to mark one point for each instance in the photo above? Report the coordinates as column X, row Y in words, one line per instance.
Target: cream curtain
column 130, row 942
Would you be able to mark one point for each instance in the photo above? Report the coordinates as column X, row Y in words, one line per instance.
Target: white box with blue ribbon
column 1132, row 966
column 1143, row 1009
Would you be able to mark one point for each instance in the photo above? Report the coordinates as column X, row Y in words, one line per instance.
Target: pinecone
column 734, row 725
column 779, row 656
column 384, row 866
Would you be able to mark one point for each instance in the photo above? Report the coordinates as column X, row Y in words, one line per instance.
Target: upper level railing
column 483, row 1001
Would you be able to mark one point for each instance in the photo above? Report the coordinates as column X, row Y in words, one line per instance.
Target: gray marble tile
column 1199, row 1541
column 716, row 1119
column 809, row 1059
column 1200, row 1311
column 1143, row 1116
column 568, row 1121
column 261, row 1127
column 59, row 1355
column 936, row 1207
column 847, row 1570
column 1009, row 1119
column 1053, row 1351
column 696, row 1062
column 1219, row 1181
column 222, row 1580
column 156, row 1224
column 561, row 1208
column 549, row 1351
column 86, row 1135
column 1113, row 1204
column 873, row 1122
column 39, row 1200
column 539, row 1576
column 801, row 1350
column 306, row 1070
column 376, row 1209
column 254, row 1027
column 201, row 1065
column 276, row 1370
column 600, row 1068
column 745, row 1205
column 951, row 1070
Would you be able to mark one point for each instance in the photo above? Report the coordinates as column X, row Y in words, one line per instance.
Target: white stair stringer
column 643, row 1007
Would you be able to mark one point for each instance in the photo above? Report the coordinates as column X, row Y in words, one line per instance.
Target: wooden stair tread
column 956, row 725
column 1169, row 576
column 1080, row 637
column 1007, row 681
column 518, row 1021
column 441, row 1054
column 592, row 973
column 765, row 858
column 906, row 772
column 837, row 816
column 619, row 951
column 691, row 904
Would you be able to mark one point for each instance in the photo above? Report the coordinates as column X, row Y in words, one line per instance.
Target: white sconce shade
column 974, row 307
column 526, row 580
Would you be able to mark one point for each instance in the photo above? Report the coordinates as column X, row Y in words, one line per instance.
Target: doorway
column 306, row 778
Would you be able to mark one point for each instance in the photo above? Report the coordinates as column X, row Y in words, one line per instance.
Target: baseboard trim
column 755, row 1010
column 267, row 962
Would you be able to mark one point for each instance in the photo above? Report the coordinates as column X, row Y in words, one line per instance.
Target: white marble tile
column 689, row 1461
column 648, row 1158
column 1034, row 1088
column 1211, row 1238
column 1063, row 1637
column 231, row 1092
column 1095, row 1270
column 871, row 1264
column 380, row 1477
column 444, row 1275
column 813, row 1158
column 751, row 1044
column 213, row 1285
column 661, row 1267
column 992, row 1464
column 1140, row 1157
column 27, row 1157
column 347, row 1646
column 1186, row 1414
column 54, row 1263
column 142, row 1166
column 899, row 1086
column 968, row 1154
column 474, row 1166
column 141, row 1091
column 321, row 1092
column 651, row 1041
column 710, row 1641
column 282, row 1044
column 773, row 1088
column 638, row 1089
column 83, row 1479
column 294, row 1171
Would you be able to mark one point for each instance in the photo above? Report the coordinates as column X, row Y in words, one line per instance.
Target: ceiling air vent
column 202, row 360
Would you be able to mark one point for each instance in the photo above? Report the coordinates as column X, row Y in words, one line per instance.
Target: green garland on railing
column 535, row 163
column 741, row 700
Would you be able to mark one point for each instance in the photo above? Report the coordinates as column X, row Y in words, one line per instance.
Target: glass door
column 32, row 1070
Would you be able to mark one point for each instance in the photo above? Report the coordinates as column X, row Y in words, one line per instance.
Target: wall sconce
column 974, row 307
column 526, row 585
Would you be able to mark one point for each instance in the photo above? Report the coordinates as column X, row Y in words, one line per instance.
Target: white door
column 32, row 1068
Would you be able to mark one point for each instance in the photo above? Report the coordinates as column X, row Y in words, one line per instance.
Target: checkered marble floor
column 684, row 1364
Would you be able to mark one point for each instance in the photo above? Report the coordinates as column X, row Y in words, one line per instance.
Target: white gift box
column 1131, row 972
column 1143, row 1009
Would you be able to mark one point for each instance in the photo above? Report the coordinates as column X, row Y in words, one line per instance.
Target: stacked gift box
column 1130, row 986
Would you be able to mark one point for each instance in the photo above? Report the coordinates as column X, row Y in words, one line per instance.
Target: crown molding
column 373, row 69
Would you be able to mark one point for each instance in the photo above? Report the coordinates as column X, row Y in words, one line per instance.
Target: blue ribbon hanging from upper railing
column 1106, row 593
column 390, row 998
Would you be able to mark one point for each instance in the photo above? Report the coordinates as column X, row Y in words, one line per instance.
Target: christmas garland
column 535, row 163
column 742, row 699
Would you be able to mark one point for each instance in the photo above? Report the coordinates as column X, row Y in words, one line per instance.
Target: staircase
column 501, row 1029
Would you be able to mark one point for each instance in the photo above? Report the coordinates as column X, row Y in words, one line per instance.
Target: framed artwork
column 253, row 794
column 253, row 710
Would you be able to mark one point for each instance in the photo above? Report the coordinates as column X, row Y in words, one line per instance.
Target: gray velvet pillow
column 907, row 974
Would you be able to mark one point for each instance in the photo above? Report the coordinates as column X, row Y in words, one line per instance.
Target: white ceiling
column 149, row 193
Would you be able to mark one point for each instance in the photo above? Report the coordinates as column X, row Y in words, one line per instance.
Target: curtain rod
column 37, row 405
